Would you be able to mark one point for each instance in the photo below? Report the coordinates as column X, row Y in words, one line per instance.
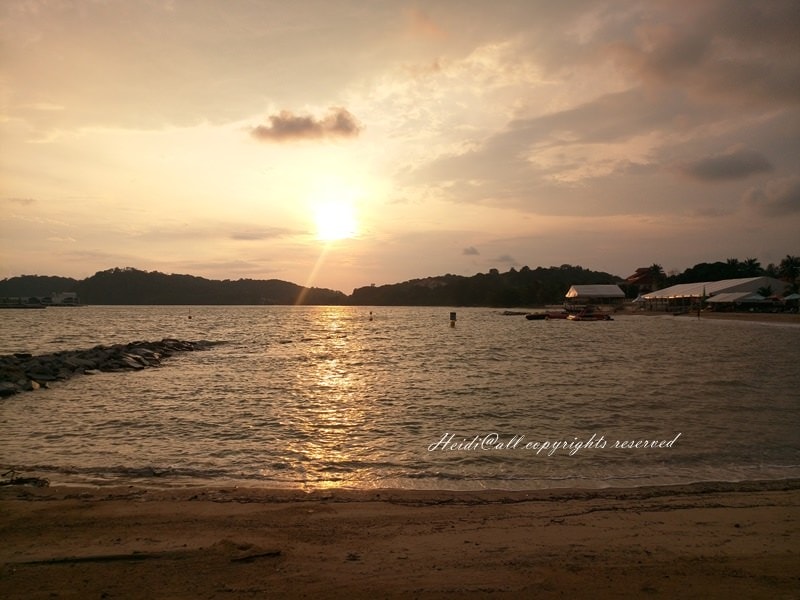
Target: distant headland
column 516, row 287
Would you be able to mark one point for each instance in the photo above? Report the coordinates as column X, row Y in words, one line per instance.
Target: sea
column 401, row 397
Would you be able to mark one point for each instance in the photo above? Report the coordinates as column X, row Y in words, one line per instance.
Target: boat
column 541, row 316
column 558, row 315
column 594, row 317
column 589, row 314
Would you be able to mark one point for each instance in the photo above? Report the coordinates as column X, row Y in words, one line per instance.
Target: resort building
column 728, row 292
column 584, row 295
column 644, row 279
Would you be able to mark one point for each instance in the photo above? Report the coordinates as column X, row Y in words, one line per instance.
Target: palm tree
column 789, row 270
column 771, row 270
column 765, row 291
column 751, row 267
column 657, row 276
column 734, row 267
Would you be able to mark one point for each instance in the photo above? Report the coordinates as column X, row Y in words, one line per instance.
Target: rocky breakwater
column 22, row 372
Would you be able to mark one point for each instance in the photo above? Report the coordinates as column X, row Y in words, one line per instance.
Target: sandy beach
column 722, row 540
column 753, row 317
column 791, row 318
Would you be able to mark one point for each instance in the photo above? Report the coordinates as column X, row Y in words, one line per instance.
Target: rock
column 24, row 372
column 8, row 389
column 41, row 375
column 30, row 386
column 131, row 362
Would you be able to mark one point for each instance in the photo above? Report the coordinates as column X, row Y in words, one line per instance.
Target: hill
column 516, row 288
column 526, row 287
column 132, row 286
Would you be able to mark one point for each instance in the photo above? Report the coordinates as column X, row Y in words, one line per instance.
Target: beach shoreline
column 711, row 540
column 754, row 317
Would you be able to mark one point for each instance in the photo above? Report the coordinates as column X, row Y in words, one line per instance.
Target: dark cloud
column 227, row 269
column 735, row 163
column 286, row 126
column 506, row 259
column 471, row 251
column 712, row 212
column 778, row 198
column 516, row 164
column 209, row 231
column 256, row 234
column 731, row 51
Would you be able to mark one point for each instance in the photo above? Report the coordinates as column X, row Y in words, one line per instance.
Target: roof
column 643, row 275
column 736, row 297
column 712, row 288
column 595, row 291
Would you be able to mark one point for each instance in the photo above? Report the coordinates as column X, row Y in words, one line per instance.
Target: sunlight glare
column 335, row 220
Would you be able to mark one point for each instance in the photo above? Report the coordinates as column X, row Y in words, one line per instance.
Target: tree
column 656, row 272
column 789, row 271
column 771, row 270
column 734, row 268
column 751, row 267
column 765, row 291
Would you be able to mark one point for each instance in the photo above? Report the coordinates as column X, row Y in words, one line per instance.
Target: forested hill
column 132, row 286
column 36, row 285
column 526, row 287
column 515, row 288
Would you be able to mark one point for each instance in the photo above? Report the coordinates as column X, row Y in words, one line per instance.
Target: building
column 583, row 295
column 689, row 295
column 645, row 279
column 64, row 299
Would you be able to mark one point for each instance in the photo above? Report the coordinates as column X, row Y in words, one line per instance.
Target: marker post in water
column 452, row 319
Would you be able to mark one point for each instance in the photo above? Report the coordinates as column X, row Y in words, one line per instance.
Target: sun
column 335, row 221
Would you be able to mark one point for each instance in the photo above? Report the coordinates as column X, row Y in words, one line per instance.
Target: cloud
column 506, row 259
column 286, row 126
column 210, row 231
column 255, row 234
column 734, row 52
column 734, row 163
column 471, row 251
column 614, row 134
column 778, row 198
column 423, row 25
column 21, row 201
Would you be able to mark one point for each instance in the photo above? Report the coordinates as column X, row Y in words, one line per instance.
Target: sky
column 347, row 143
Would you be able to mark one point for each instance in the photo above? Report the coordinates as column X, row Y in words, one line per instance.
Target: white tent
column 735, row 297
column 595, row 291
column 713, row 288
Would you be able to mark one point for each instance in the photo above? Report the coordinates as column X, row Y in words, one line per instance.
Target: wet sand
column 699, row 541
column 754, row 317
column 778, row 318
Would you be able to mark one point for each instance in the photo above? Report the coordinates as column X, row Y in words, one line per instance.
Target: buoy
column 452, row 319
column 370, row 315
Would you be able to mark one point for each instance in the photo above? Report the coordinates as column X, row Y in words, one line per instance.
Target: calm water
column 323, row 396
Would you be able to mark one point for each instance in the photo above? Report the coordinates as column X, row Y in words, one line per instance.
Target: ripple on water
column 306, row 396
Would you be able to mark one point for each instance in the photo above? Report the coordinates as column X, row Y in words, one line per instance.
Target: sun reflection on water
column 337, row 400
